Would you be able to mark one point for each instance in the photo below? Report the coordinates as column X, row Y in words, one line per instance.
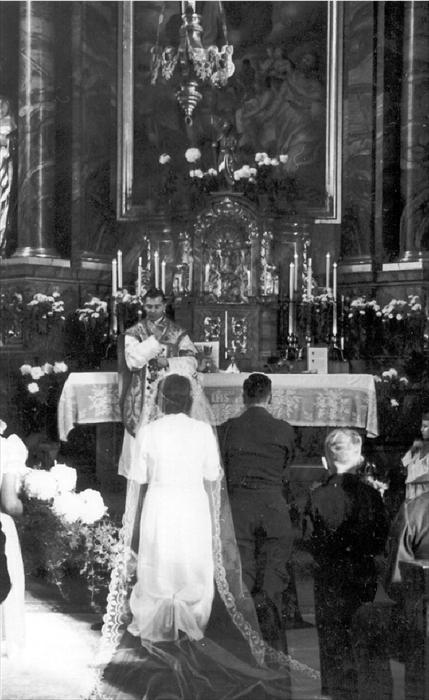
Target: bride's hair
column 174, row 394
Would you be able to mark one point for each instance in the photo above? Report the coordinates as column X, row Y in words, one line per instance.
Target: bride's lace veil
column 232, row 592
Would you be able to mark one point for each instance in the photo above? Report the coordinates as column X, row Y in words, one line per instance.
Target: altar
column 316, row 400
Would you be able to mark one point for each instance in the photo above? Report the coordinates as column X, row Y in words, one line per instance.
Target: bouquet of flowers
column 397, row 419
column 89, row 333
column 44, row 313
column 67, row 536
column 404, row 325
column 39, row 391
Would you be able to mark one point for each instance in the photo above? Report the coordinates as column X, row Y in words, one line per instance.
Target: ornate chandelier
column 195, row 63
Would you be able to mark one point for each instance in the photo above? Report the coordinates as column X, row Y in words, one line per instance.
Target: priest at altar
column 153, row 345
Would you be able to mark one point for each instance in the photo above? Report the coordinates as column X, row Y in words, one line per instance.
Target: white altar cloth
column 343, row 400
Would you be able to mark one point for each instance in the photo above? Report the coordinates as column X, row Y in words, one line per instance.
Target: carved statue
column 8, row 128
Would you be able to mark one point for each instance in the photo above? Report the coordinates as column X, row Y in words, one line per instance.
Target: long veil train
column 232, row 660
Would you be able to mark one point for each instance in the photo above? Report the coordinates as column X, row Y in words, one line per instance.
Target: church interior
column 265, row 165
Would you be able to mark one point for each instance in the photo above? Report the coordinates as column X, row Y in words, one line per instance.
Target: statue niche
column 225, row 241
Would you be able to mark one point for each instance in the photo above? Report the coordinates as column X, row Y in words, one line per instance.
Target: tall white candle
column 295, row 262
column 249, row 283
column 148, row 263
column 309, row 276
column 163, row 276
column 334, row 281
column 120, row 278
column 265, row 279
column 328, row 268
column 139, row 277
column 226, row 334
column 207, row 275
column 114, row 317
column 114, row 277
column 291, row 280
column 191, row 274
column 156, row 266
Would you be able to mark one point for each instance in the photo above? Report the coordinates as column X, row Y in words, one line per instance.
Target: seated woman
column 180, row 622
column 348, row 526
column 13, row 455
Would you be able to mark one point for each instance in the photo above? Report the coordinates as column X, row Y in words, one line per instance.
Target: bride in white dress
column 13, row 456
column 175, row 573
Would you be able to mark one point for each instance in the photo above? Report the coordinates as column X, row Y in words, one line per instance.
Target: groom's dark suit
column 256, row 449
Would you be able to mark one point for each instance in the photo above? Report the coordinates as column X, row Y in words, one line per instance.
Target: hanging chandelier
column 194, row 63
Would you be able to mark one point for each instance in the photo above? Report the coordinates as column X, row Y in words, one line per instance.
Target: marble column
column 415, row 131
column 36, row 129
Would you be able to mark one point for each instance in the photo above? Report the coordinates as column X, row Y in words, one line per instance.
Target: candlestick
column 119, row 256
column 334, row 319
column 334, row 281
column 114, row 277
column 309, row 277
column 163, row 276
column 148, row 261
column 226, row 335
column 328, row 266
column 191, row 273
column 265, row 279
column 156, row 266
column 295, row 261
column 290, row 319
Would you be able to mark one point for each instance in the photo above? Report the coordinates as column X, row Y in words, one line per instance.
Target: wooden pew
column 415, row 576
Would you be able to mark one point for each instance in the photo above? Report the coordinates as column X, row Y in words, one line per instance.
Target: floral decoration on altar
column 266, row 177
column 67, row 536
column 39, row 391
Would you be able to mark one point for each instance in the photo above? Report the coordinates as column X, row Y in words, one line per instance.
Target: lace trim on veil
column 237, row 600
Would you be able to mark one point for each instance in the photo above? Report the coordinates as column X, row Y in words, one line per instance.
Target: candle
column 328, row 266
column 295, row 262
column 206, row 277
column 139, row 277
column 180, row 282
column 156, row 266
column 119, row 256
column 249, row 283
column 265, row 279
column 114, row 318
column 114, row 277
column 163, row 276
column 291, row 280
column 309, row 277
column 191, row 272
column 334, row 281
column 226, row 334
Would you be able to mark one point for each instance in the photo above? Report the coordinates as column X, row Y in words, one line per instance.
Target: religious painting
column 279, row 109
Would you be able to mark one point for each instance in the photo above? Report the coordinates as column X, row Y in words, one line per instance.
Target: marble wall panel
column 358, row 137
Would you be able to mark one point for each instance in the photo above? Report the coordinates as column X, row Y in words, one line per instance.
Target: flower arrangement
column 38, row 394
column 91, row 323
column 45, row 312
column 398, row 419
column 67, row 536
column 11, row 317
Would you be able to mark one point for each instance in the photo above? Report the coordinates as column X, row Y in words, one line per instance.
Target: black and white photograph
column 214, row 350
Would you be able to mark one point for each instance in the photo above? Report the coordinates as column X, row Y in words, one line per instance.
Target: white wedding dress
column 175, row 571
column 13, row 455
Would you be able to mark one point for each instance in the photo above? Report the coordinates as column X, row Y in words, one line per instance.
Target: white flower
column 252, row 172
column 67, row 506
column 404, row 380
column 65, row 477
column 274, row 161
column 196, row 173
column 39, row 484
column 211, row 171
column 394, row 403
column 192, row 155
column 164, row 158
column 25, row 369
column 36, row 373
column 33, row 387
column 92, row 506
column 47, row 368
column 56, row 295
column 259, row 157
column 399, row 317
column 3, row 426
column 60, row 367
column 283, row 158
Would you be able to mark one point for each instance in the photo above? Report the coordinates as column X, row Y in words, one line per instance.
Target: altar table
column 317, row 400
